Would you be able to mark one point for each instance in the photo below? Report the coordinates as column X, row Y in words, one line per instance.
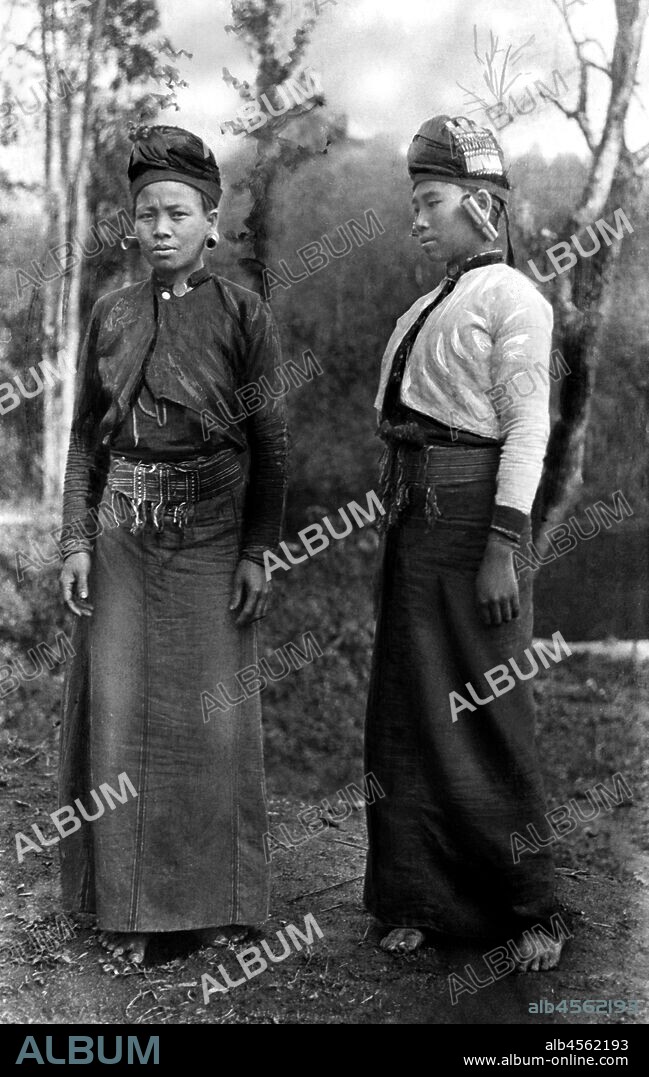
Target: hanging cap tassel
column 511, row 257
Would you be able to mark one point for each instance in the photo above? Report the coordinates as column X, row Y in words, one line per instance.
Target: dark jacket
column 217, row 339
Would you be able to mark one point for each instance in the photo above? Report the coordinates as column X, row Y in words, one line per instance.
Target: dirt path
column 343, row 978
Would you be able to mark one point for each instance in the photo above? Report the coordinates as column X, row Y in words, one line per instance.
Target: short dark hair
column 207, row 202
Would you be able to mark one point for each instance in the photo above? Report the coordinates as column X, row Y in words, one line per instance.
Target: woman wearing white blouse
column 463, row 460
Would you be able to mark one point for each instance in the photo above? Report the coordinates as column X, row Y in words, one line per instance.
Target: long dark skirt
column 187, row 852
column 440, row 851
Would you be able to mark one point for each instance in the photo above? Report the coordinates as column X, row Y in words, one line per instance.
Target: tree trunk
column 274, row 66
column 55, row 207
column 582, row 303
column 583, row 296
column 66, row 177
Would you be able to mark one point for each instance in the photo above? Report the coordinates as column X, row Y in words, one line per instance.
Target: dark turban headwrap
column 171, row 153
column 456, row 150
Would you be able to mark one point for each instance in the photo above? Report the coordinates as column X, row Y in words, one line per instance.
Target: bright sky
column 389, row 64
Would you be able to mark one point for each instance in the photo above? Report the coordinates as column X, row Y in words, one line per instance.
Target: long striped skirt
column 440, row 848
column 186, row 851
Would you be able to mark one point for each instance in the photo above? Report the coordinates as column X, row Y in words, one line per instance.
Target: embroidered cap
column 456, row 150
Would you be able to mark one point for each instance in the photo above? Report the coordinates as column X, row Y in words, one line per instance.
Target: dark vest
column 197, row 350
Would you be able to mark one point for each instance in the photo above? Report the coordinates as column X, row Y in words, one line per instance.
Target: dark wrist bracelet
column 497, row 538
column 256, row 558
column 505, row 537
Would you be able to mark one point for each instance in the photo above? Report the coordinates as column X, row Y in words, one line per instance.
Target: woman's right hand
column 74, row 584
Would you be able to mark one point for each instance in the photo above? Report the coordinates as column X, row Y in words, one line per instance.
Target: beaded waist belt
column 405, row 466
column 171, row 488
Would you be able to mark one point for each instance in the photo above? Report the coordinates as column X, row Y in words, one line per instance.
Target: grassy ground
column 603, row 874
column 593, row 723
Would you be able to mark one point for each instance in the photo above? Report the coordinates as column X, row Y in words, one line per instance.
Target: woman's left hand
column 496, row 587
column 251, row 588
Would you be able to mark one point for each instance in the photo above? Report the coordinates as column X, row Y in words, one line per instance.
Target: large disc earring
column 129, row 243
column 211, row 240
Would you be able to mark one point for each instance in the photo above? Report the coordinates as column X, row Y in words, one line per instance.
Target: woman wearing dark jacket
column 167, row 594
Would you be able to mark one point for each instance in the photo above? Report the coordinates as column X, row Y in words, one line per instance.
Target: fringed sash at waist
column 165, row 486
column 404, row 467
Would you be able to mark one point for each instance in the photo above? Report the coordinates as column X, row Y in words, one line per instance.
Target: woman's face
column 443, row 226
column 171, row 225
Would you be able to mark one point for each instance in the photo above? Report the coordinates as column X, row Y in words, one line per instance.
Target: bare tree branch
column 584, row 126
column 582, row 298
column 632, row 17
column 605, row 69
column 580, row 113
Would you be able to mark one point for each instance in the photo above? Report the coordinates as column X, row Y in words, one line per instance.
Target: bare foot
column 131, row 945
column 545, row 955
column 403, row 940
column 227, row 935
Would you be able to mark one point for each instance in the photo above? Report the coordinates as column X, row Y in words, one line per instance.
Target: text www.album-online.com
column 539, row 1060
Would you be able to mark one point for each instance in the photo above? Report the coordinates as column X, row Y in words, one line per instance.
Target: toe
column 213, row 938
column 225, row 935
column 402, row 941
column 550, row 958
column 240, row 936
column 414, row 940
column 135, row 948
column 391, row 941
